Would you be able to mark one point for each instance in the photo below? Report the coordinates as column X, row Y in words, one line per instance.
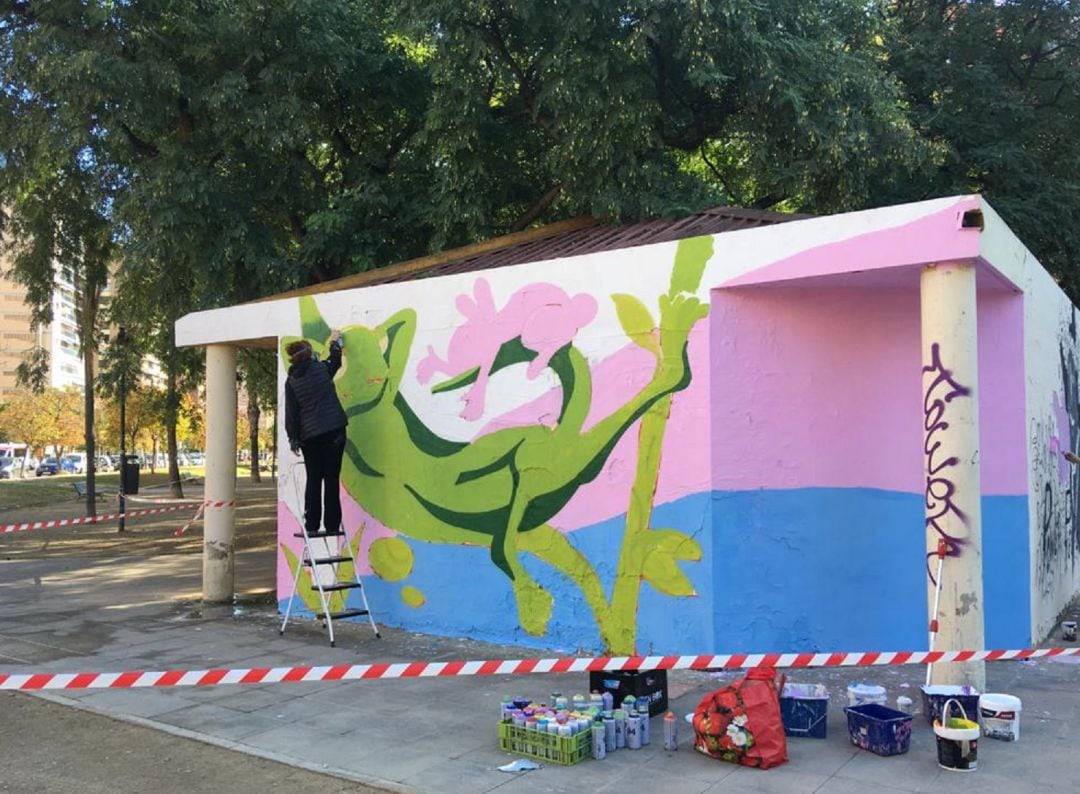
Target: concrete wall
column 712, row 448
column 1053, row 411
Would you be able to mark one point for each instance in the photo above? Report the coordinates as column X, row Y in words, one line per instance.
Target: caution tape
column 359, row 672
column 199, row 512
column 64, row 522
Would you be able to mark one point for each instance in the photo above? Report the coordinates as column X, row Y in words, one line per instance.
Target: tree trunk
column 153, row 455
column 87, row 345
column 253, row 435
column 172, row 406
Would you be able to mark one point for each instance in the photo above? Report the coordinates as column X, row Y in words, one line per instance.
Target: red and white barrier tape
column 199, row 512
column 357, row 672
column 63, row 522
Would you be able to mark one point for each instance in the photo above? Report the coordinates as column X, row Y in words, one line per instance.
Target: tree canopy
column 213, row 151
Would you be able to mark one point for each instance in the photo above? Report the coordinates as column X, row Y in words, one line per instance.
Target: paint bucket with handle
column 957, row 740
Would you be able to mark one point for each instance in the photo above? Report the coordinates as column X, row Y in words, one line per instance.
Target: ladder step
column 327, row 588
column 345, row 613
column 336, row 534
column 327, row 560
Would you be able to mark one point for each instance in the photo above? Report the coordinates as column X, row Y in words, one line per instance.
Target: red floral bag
column 741, row 723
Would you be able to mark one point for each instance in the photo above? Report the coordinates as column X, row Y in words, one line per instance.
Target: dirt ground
column 62, row 750
column 147, row 535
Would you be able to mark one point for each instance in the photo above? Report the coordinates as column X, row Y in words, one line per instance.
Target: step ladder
column 321, row 559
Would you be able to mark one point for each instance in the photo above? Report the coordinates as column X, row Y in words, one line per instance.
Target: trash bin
column 130, row 474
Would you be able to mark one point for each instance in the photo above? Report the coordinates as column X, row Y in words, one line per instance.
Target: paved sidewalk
column 109, row 613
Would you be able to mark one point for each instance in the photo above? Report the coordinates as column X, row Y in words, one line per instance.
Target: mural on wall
column 501, row 489
column 940, row 491
column 1055, row 482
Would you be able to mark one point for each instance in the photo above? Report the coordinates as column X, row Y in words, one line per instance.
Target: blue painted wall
column 814, row 569
column 841, row 569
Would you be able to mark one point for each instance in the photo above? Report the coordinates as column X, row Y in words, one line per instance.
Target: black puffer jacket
column 312, row 407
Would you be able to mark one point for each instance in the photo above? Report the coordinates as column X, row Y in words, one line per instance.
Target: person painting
column 315, row 424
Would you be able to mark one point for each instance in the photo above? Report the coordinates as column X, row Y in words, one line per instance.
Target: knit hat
column 298, row 352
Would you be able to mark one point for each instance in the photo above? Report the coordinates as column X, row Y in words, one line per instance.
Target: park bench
column 80, row 491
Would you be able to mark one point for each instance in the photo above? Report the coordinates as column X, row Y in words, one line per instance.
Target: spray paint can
column 608, row 701
column 642, row 705
column 609, row 734
column 633, row 732
column 620, row 728
column 629, row 703
column 671, row 731
column 599, row 743
column 646, row 729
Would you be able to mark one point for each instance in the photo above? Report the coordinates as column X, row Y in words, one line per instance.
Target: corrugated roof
column 565, row 238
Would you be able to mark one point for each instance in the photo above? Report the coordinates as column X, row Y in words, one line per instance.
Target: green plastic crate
column 565, row 750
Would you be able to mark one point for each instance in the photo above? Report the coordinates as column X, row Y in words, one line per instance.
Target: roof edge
column 411, row 266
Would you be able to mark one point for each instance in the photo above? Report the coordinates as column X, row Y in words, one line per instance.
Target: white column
column 219, row 522
column 950, row 378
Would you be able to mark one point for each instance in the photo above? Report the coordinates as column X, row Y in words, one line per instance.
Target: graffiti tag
column 940, row 489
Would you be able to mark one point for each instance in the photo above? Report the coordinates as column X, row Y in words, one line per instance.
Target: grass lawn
column 38, row 491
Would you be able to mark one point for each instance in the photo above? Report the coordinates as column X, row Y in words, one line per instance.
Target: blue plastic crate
column 804, row 710
column 879, row 729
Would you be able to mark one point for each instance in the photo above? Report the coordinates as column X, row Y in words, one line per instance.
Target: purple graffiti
column 940, row 489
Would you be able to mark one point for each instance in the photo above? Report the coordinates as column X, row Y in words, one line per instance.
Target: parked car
column 104, row 463
column 48, row 466
column 7, row 468
column 74, row 463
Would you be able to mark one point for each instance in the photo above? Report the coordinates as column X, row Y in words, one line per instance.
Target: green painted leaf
column 690, row 259
column 678, row 544
column 663, row 572
column 314, row 326
column 636, row 321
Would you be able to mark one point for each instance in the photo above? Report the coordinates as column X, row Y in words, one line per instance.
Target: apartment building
column 18, row 337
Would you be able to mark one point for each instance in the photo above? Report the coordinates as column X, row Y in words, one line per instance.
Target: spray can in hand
column 671, row 732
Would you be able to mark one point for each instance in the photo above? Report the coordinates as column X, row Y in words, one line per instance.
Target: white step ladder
column 316, row 560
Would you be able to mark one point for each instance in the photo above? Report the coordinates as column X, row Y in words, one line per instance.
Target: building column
column 950, row 377
column 219, row 521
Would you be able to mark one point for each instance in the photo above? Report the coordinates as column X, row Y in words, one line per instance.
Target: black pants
column 322, row 462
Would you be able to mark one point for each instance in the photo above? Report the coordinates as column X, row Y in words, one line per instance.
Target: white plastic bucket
column 864, row 694
column 957, row 748
column 1000, row 716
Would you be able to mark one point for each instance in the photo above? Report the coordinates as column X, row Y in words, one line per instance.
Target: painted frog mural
column 501, row 489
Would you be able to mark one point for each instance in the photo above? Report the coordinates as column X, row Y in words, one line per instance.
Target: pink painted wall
column 821, row 387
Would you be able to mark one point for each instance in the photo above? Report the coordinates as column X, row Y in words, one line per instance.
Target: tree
column 259, row 373
column 47, row 418
column 638, row 108
column 995, row 88
column 58, row 183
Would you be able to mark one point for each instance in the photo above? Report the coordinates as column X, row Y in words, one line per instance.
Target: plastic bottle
column 671, row 731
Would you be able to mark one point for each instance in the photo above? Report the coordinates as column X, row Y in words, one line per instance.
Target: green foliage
column 994, row 87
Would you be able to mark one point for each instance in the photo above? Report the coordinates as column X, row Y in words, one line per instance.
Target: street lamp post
column 121, row 343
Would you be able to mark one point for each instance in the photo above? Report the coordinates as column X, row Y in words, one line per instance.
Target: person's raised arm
column 334, row 361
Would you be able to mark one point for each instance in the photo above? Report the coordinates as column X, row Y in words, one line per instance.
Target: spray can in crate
column 609, row 733
column 599, row 743
column 671, row 731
